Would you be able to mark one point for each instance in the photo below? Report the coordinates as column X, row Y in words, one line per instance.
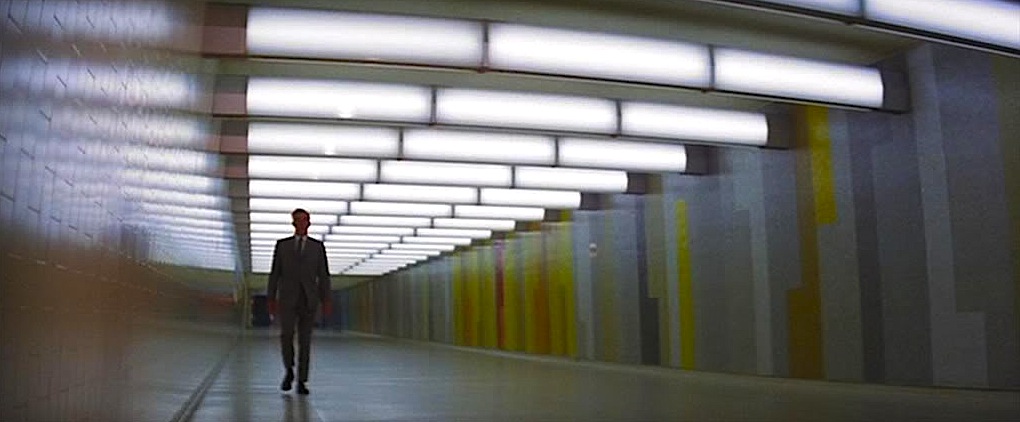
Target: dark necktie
column 300, row 244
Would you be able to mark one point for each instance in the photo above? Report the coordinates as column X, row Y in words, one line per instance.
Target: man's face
column 301, row 223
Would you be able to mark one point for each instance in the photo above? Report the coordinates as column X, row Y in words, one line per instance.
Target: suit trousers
column 303, row 318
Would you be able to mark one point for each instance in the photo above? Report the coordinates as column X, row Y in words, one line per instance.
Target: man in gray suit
column 298, row 281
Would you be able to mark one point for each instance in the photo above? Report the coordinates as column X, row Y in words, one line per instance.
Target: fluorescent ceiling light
column 623, row 155
column 690, row 123
column 459, row 241
column 286, row 218
column 420, row 193
column 575, row 53
column 423, row 247
column 312, row 168
column 328, row 140
column 271, row 235
column 410, row 252
column 990, row 21
column 354, row 273
column 847, row 7
column 586, row 180
column 309, row 190
column 314, row 206
column 474, row 223
column 347, row 251
column 470, row 233
column 361, row 238
column 525, row 110
column 338, row 99
column 531, row 197
column 789, row 77
column 343, row 255
column 369, row 220
column 421, row 257
column 351, row 246
column 269, row 227
column 259, row 242
column 401, row 209
column 393, row 231
column 427, row 144
column 444, row 173
column 383, row 260
column 363, row 37
column 512, row 213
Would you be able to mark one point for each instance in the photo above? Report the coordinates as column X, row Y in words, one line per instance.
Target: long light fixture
column 575, row 53
column 319, row 139
column 338, row 99
column 480, row 147
column 587, row 180
column 384, row 221
column 401, row 209
column 420, row 193
column 286, row 218
column 314, row 206
column 691, row 123
column 991, row 21
column 470, row 233
column 491, row 212
column 744, row 71
column 571, row 53
column 270, row 227
column 474, row 223
column 459, row 241
column 423, row 247
column 393, row 231
column 525, row 110
column 364, row 37
column 354, row 245
column 309, row 190
column 531, row 197
column 411, row 252
column 361, row 238
column 312, row 168
column 404, row 256
column 623, row 155
column 444, row 173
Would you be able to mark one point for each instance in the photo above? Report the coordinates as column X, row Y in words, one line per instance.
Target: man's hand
column 271, row 304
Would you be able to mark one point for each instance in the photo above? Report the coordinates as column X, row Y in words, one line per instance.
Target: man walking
column 298, row 281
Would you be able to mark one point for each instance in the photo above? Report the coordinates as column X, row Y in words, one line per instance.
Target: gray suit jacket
column 292, row 272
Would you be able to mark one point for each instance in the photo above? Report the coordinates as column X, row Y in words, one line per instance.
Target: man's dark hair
column 300, row 211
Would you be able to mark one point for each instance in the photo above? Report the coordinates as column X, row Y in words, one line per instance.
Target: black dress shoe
column 287, row 381
column 301, row 389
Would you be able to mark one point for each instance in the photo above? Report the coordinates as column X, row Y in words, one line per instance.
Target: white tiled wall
column 95, row 95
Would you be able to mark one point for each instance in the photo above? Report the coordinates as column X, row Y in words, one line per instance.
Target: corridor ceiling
column 724, row 25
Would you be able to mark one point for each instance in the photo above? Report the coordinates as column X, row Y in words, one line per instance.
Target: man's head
column 302, row 219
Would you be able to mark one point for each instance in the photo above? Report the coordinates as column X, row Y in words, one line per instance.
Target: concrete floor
column 361, row 378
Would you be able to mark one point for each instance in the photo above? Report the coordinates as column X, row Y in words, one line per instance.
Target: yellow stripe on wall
column 686, row 288
column 487, row 304
column 804, row 302
column 820, row 145
column 458, row 299
column 513, row 337
column 532, row 268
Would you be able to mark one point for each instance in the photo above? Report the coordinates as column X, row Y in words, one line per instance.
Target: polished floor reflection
column 359, row 378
